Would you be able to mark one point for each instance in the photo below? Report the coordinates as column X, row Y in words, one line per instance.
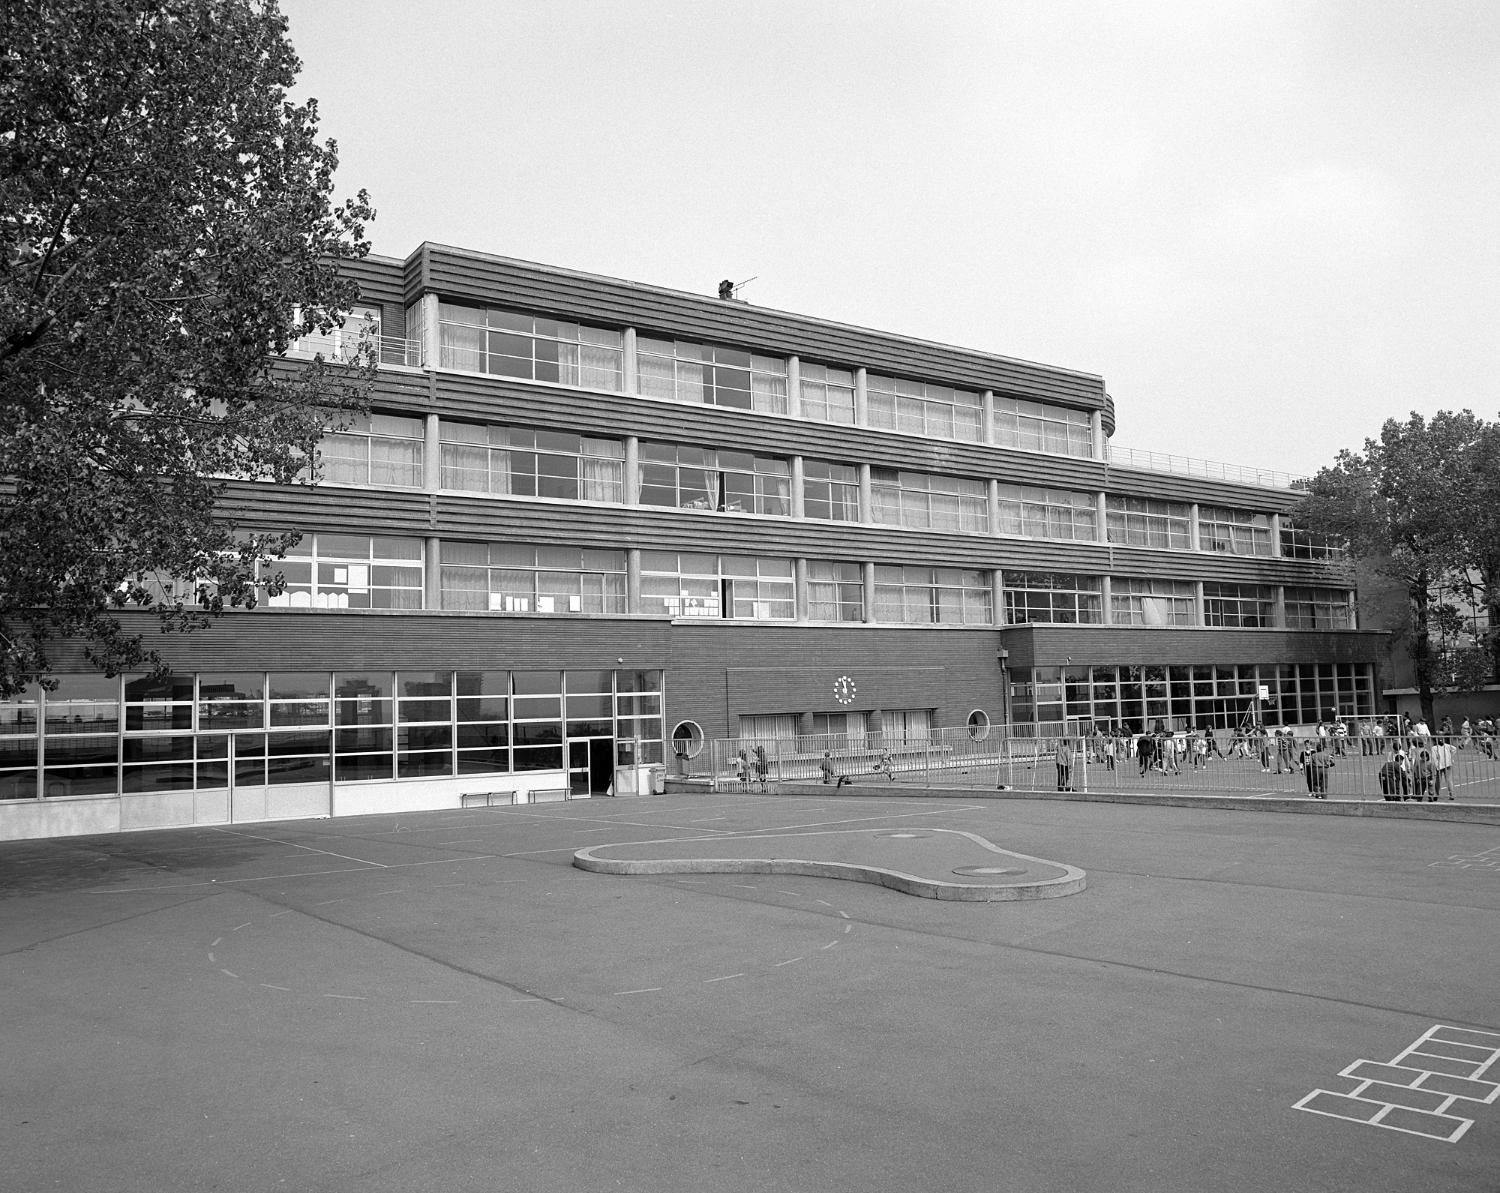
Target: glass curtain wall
column 1185, row 696
column 141, row 735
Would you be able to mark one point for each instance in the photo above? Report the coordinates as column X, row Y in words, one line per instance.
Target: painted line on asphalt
column 1416, row 1090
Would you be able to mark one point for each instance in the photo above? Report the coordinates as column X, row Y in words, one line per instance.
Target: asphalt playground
column 1235, row 1000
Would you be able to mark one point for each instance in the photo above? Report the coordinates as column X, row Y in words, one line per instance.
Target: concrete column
column 1101, row 502
column 1193, row 540
column 1198, row 601
column 632, row 579
column 799, row 478
column 632, row 371
column 1105, row 613
column 432, row 575
column 866, row 498
column 869, row 581
column 793, row 386
column 997, row 582
column 432, row 455
column 1276, row 536
column 1101, row 444
column 799, row 573
column 1280, row 613
column 861, row 398
column 994, row 496
column 432, row 354
column 632, row 470
column 987, row 418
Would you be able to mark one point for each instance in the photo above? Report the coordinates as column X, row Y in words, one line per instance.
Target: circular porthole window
column 687, row 739
column 979, row 725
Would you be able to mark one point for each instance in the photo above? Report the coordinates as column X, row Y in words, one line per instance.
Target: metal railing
column 1266, row 478
column 1348, row 768
column 392, row 349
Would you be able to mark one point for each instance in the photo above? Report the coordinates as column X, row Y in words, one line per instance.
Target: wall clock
column 844, row 689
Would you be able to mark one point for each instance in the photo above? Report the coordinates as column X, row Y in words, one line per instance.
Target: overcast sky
column 1269, row 226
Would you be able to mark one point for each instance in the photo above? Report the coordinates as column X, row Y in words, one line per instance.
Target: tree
column 1406, row 506
column 166, row 226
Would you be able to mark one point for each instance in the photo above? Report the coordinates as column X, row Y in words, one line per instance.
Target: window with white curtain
column 1043, row 427
column 768, row 729
column 531, row 462
column 921, row 501
column 914, row 595
column 898, row 725
column 827, row 393
column 1042, row 513
column 1152, row 602
column 835, row 591
column 924, row 408
column 531, row 347
column 711, row 374
column 375, row 449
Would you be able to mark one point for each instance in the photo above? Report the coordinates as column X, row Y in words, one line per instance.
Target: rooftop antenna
column 730, row 291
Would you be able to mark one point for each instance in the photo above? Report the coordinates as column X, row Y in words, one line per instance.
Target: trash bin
column 658, row 779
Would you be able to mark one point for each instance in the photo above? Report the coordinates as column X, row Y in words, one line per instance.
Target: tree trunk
column 1421, row 645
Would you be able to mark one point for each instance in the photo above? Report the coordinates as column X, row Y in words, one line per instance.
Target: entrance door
column 601, row 764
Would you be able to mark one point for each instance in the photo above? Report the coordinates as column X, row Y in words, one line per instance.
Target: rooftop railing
column 1268, row 478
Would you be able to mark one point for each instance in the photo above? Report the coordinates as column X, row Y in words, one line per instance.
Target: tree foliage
column 167, row 223
column 1419, row 505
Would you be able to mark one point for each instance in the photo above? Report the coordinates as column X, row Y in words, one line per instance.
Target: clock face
column 844, row 689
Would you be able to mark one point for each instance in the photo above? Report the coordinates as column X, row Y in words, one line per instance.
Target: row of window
column 386, row 451
column 341, row 571
column 96, row 735
column 509, row 343
column 1189, row 696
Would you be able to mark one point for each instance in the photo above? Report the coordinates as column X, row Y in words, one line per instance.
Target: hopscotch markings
column 1488, row 859
column 1423, row 1089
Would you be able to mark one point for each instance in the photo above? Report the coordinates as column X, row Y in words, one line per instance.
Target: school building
column 590, row 523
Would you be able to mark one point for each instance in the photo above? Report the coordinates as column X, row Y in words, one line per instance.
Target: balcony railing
column 392, row 350
column 1130, row 457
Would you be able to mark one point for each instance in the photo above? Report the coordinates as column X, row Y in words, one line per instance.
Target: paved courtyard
column 1244, row 1000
